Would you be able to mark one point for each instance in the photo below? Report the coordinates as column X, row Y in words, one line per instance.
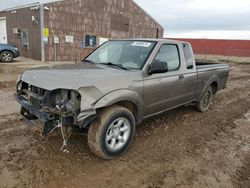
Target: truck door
column 163, row 91
column 189, row 81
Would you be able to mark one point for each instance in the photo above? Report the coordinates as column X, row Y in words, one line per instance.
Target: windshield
column 126, row 54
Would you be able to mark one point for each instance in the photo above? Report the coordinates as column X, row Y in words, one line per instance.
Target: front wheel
column 112, row 132
column 6, row 56
column 205, row 100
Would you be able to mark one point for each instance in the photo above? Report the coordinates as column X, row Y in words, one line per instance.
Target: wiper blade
column 89, row 61
column 114, row 65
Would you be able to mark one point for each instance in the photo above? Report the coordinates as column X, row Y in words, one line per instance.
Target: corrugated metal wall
column 105, row 18
column 239, row 48
column 111, row 19
column 22, row 19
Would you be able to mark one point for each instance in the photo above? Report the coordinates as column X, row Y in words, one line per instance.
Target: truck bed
column 209, row 66
column 207, row 70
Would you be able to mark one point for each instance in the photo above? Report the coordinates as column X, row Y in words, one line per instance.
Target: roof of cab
column 152, row 39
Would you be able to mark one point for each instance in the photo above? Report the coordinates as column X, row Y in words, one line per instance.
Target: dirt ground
column 180, row 148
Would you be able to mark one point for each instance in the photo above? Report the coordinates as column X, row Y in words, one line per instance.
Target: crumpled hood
column 79, row 75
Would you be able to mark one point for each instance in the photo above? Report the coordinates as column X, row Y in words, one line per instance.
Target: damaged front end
column 57, row 108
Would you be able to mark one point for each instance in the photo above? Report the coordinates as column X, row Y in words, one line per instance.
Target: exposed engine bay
column 56, row 109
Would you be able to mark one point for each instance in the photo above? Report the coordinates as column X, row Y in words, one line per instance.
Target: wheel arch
column 6, row 50
column 215, row 86
column 126, row 98
column 213, row 82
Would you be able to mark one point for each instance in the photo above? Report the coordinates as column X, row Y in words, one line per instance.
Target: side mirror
column 158, row 67
column 190, row 67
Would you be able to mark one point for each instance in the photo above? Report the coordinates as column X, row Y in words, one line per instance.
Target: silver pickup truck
column 116, row 87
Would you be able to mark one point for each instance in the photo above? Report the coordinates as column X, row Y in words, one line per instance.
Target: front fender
column 89, row 95
column 121, row 95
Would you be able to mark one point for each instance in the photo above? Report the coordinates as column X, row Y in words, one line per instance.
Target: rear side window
column 189, row 59
column 169, row 53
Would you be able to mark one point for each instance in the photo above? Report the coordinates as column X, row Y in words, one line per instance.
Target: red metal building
column 239, row 48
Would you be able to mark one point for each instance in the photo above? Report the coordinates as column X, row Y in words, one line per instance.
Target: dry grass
column 218, row 58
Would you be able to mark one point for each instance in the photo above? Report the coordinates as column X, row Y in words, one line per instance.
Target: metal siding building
column 238, row 48
column 74, row 27
column 22, row 19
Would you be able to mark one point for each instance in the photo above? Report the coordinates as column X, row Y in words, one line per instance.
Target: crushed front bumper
column 31, row 113
column 26, row 105
column 28, row 111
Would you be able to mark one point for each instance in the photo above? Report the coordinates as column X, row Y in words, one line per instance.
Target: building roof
column 7, row 5
column 147, row 14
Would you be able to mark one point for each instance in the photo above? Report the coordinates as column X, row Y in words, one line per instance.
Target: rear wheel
column 6, row 56
column 205, row 100
column 112, row 132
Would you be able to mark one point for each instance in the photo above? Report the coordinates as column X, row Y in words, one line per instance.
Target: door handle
column 181, row 77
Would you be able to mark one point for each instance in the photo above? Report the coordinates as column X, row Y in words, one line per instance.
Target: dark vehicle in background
column 8, row 53
column 117, row 86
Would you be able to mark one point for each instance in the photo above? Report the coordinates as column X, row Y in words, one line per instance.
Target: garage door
column 3, row 31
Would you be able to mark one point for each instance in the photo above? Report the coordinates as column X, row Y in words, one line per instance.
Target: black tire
column 99, row 132
column 205, row 101
column 6, row 56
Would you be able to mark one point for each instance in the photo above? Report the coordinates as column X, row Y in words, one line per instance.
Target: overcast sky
column 228, row 19
column 201, row 18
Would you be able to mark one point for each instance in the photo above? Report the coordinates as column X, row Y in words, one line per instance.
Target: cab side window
column 169, row 54
column 189, row 58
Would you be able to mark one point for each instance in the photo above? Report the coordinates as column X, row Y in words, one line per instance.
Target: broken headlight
column 65, row 100
column 19, row 86
column 19, row 83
